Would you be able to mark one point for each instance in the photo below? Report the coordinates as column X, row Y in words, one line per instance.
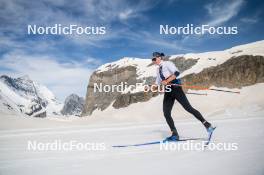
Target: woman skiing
column 167, row 74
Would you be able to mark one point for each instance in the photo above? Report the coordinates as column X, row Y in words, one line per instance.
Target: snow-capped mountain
column 236, row 67
column 24, row 96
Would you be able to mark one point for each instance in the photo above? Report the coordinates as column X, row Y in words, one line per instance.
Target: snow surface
column 239, row 119
column 246, row 132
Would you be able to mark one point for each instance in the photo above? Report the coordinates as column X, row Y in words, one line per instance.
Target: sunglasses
column 153, row 59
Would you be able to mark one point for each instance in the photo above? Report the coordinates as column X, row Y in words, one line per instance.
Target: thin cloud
column 156, row 40
column 219, row 13
column 252, row 19
column 17, row 14
column 249, row 20
column 222, row 11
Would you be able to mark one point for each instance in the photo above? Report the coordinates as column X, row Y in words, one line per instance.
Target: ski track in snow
column 248, row 159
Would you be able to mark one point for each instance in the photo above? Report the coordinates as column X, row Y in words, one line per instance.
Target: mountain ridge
column 136, row 70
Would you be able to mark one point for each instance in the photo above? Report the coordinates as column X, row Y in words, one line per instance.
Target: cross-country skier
column 167, row 74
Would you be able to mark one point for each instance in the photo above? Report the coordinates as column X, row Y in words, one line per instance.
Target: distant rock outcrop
column 101, row 100
column 73, row 105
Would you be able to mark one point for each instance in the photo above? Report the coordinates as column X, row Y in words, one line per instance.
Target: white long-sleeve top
column 168, row 69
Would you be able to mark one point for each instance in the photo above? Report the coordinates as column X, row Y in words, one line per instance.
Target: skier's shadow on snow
column 163, row 133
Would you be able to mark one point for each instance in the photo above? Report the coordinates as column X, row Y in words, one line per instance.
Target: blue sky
column 64, row 63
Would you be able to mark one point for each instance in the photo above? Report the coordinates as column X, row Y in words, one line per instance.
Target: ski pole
column 236, row 92
column 190, row 86
column 195, row 93
column 204, row 88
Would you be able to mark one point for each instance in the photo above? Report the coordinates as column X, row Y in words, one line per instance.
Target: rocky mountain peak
column 73, row 105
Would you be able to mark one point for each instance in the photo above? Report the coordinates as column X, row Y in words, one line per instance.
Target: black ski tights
column 168, row 101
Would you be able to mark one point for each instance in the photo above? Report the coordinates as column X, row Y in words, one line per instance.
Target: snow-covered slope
column 26, row 97
column 143, row 68
column 211, row 105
